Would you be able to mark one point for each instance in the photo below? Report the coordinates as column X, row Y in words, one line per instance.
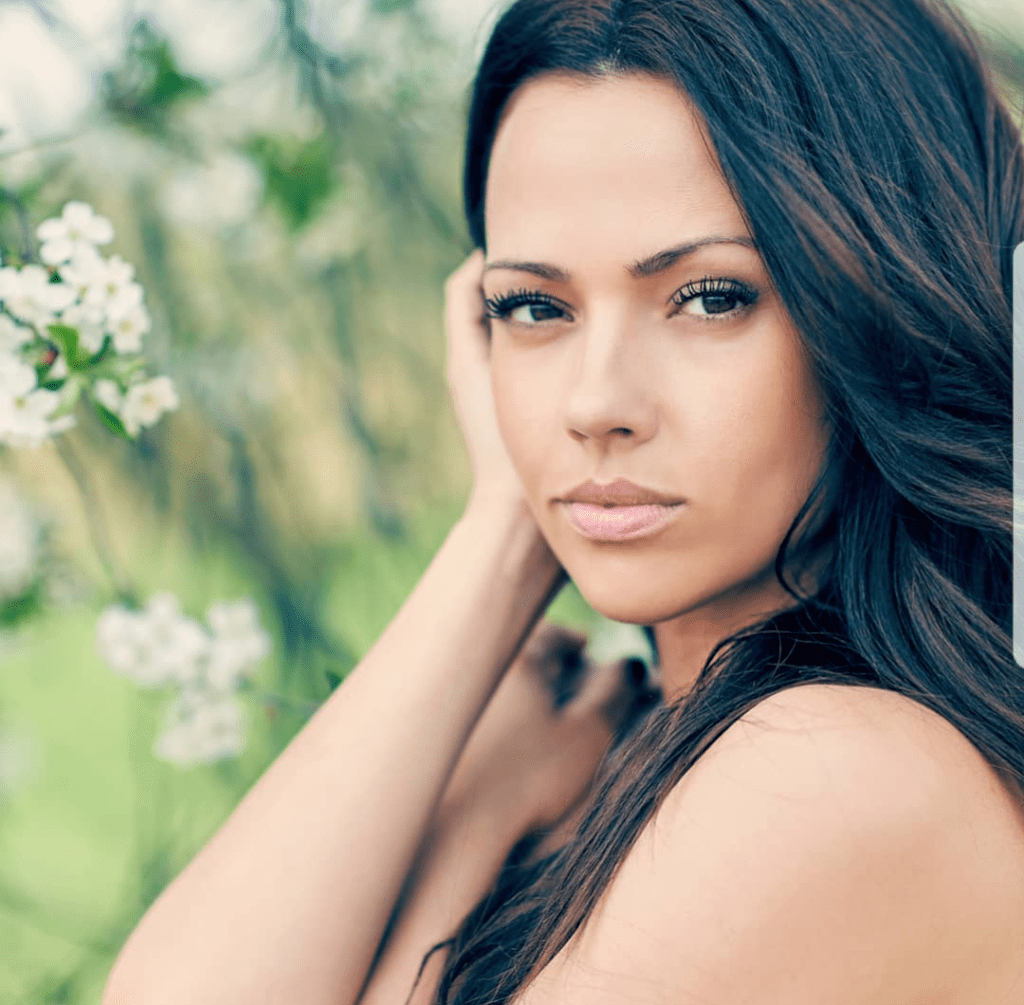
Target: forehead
column 627, row 151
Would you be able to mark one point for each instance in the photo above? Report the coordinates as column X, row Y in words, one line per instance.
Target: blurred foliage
column 298, row 175
column 148, row 83
column 1007, row 56
column 292, row 224
column 28, row 604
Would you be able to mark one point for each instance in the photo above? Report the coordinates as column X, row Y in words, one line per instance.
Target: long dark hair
column 882, row 179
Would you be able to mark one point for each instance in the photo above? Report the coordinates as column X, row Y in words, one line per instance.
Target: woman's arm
column 459, row 861
column 527, row 769
column 290, row 898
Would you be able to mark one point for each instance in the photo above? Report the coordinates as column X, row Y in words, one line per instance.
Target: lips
column 619, row 493
column 620, row 511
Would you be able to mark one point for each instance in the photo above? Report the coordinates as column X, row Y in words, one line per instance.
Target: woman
column 733, row 354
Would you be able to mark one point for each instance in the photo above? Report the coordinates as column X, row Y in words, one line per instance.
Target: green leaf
column 15, row 610
column 111, row 421
column 120, row 369
column 333, row 679
column 67, row 338
column 72, row 392
column 299, row 177
column 149, row 82
column 103, row 350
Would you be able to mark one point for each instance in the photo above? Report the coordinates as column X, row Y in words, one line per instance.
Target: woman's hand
column 535, row 750
column 469, row 382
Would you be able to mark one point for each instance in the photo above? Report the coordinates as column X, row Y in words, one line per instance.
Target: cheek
column 750, row 437
column 525, row 410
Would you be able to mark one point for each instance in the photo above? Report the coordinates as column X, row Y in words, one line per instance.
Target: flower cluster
column 70, row 325
column 160, row 646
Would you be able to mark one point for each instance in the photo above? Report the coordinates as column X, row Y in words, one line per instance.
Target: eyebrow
column 640, row 269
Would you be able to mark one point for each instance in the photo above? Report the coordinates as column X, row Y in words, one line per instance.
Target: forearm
column 460, row 860
column 289, row 899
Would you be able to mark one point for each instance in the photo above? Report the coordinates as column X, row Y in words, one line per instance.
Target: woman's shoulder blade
column 833, row 837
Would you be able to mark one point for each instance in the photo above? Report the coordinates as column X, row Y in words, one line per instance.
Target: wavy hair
column 882, row 178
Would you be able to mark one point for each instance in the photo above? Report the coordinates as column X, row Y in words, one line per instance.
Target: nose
column 612, row 396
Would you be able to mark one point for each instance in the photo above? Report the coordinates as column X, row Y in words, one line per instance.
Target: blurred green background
column 285, row 178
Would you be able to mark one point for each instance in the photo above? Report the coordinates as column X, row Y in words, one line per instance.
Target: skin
column 399, row 800
column 712, row 401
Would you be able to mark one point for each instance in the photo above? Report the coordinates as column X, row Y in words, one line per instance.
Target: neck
column 686, row 640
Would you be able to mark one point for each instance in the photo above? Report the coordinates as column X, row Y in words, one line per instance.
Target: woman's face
column 647, row 345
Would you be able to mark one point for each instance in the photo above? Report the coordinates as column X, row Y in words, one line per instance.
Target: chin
column 650, row 592
column 612, row 599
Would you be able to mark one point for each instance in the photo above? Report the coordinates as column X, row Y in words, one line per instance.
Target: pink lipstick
column 618, row 523
column 619, row 511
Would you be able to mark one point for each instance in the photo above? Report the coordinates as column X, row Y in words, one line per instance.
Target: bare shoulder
column 864, row 759
column 876, row 745
column 838, row 844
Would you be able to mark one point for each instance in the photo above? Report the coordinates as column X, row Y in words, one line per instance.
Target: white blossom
column 98, row 298
column 24, row 409
column 19, row 542
column 239, row 643
column 89, row 322
column 122, row 642
column 108, row 394
column 16, row 378
column 12, row 335
column 77, row 228
column 153, row 647
column 161, row 646
column 201, row 727
column 82, row 269
column 146, row 401
column 127, row 328
column 28, row 294
column 112, row 287
column 178, row 646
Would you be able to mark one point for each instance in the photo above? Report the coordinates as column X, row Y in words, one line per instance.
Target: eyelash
column 717, row 286
column 501, row 306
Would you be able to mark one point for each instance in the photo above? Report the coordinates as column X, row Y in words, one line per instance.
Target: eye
column 535, row 307
column 714, row 298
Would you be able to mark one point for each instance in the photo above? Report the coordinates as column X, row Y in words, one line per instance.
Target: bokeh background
column 284, row 175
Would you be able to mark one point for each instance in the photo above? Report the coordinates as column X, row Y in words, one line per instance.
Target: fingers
column 556, row 655
column 617, row 691
column 469, row 271
column 606, row 687
column 582, row 685
column 466, row 322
